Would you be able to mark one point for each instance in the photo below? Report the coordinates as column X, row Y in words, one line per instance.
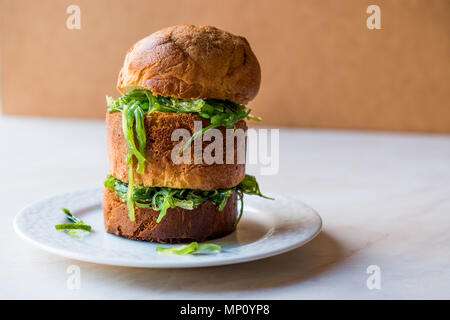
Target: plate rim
column 175, row 264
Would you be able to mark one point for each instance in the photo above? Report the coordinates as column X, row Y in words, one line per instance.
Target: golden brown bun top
column 192, row 62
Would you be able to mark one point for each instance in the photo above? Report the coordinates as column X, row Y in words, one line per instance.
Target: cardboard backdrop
column 321, row 65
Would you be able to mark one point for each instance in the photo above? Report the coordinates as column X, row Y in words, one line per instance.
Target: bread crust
column 178, row 225
column 187, row 61
column 160, row 170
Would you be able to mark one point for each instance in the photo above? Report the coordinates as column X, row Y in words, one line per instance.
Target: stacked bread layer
column 178, row 225
column 192, row 62
column 160, row 170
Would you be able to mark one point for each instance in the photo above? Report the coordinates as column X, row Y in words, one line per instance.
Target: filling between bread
column 162, row 198
column 135, row 106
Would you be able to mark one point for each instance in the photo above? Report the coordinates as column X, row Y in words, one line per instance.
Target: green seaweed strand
column 133, row 119
column 191, row 249
column 163, row 198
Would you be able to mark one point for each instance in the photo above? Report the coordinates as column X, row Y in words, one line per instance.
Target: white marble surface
column 384, row 199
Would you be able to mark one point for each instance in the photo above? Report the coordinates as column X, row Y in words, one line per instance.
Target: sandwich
column 179, row 78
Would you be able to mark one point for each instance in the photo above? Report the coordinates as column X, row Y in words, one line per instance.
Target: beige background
column 321, row 66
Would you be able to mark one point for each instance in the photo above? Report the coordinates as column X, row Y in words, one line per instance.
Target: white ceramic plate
column 267, row 228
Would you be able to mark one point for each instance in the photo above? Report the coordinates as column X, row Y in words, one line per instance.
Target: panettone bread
column 179, row 225
column 188, row 61
column 177, row 78
column 160, row 170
